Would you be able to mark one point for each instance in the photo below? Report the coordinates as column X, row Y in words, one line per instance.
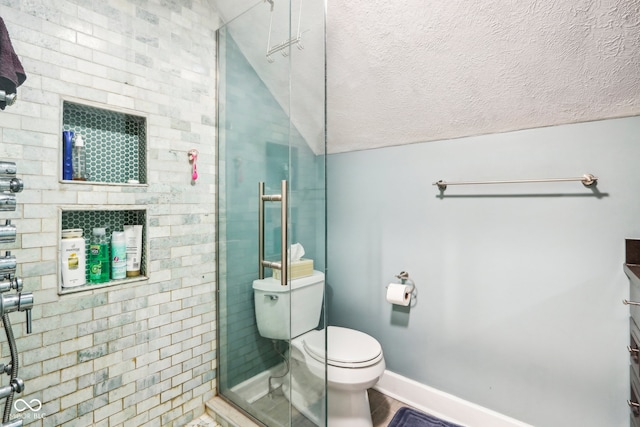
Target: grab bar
column 283, row 265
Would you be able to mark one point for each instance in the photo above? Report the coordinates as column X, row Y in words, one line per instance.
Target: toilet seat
column 346, row 348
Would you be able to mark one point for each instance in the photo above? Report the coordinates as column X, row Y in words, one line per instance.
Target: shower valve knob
column 25, row 303
column 13, row 185
column 12, row 283
column 17, row 385
column 16, row 284
column 16, row 185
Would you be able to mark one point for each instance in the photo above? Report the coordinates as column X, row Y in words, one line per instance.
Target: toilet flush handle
column 272, row 297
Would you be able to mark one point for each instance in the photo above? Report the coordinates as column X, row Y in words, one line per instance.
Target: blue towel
column 11, row 72
column 408, row 417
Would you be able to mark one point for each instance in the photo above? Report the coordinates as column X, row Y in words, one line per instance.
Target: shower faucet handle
column 11, row 283
column 13, row 185
column 17, row 302
column 16, row 185
column 17, row 385
column 25, row 303
column 16, row 284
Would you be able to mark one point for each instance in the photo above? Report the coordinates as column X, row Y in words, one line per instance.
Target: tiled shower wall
column 141, row 353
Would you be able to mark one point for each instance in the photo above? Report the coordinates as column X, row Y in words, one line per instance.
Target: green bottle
column 99, row 266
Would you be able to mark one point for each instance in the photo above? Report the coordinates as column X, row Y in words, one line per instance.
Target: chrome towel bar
column 587, row 180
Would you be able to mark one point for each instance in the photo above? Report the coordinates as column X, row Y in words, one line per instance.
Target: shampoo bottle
column 133, row 234
column 72, row 258
column 99, row 257
column 67, row 155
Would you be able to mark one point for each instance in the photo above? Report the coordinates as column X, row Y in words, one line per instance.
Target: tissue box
column 297, row 269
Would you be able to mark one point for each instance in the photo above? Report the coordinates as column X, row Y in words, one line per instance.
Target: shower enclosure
column 271, row 130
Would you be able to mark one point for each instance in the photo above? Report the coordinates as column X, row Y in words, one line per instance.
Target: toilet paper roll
column 399, row 294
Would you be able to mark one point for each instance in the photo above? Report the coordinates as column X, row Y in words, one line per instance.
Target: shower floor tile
column 276, row 408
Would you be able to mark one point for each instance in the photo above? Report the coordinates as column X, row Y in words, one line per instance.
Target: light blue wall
column 520, row 286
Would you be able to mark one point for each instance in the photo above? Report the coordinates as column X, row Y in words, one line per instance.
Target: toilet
column 354, row 360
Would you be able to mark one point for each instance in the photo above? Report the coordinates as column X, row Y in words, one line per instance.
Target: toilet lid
column 345, row 347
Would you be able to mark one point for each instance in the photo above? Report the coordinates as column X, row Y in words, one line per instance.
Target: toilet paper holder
column 403, row 293
column 405, row 279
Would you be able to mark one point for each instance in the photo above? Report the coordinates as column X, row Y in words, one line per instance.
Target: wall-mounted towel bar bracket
column 587, row 180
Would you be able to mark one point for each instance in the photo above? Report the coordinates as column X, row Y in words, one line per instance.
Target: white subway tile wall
column 142, row 353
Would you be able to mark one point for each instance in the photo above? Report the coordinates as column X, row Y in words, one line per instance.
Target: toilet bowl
column 354, row 363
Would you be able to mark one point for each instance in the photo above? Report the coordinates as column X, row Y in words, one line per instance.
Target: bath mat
column 407, row 417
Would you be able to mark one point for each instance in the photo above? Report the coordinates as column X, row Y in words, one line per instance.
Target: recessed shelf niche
column 112, row 220
column 115, row 143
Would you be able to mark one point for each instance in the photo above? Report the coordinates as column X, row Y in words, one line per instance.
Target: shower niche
column 112, row 219
column 115, row 144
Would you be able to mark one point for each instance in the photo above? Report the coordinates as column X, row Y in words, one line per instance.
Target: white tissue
column 296, row 251
column 399, row 294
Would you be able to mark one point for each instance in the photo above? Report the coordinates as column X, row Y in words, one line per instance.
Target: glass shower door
column 271, row 129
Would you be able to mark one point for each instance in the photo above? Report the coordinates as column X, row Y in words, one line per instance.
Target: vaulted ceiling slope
column 415, row 70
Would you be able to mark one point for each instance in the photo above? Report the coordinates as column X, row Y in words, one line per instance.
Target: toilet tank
column 272, row 301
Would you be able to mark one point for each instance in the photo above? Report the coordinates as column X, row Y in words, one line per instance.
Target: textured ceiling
column 414, row 71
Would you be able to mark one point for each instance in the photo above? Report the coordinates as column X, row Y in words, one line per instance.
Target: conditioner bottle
column 118, row 255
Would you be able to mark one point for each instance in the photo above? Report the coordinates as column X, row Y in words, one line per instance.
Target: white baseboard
column 428, row 399
column 442, row 405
